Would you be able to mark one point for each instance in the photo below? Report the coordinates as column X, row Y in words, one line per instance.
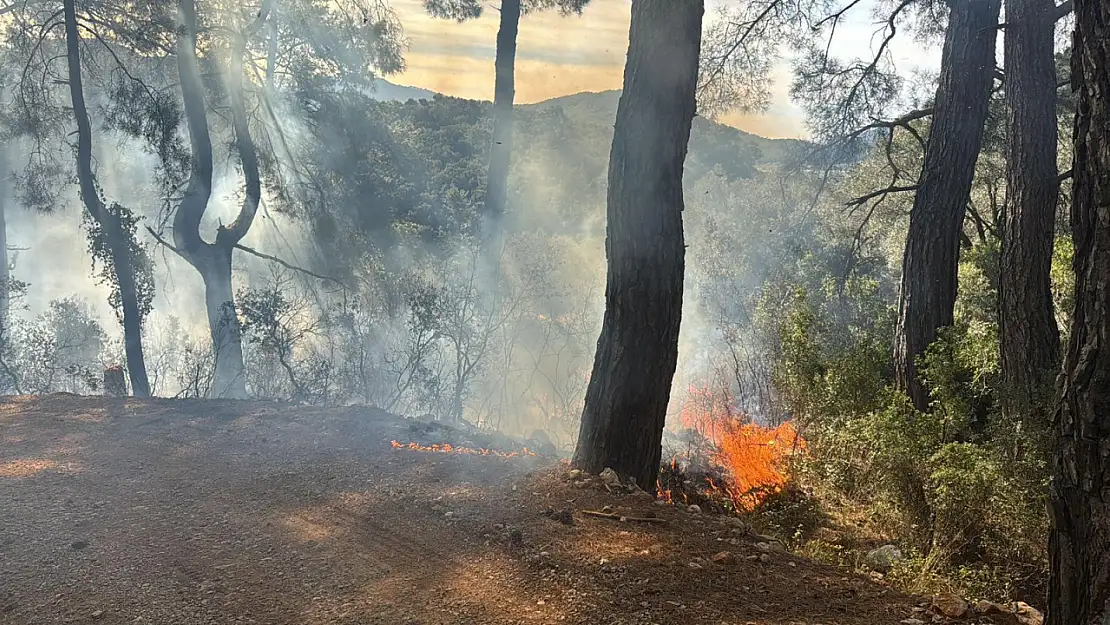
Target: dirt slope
column 182, row 512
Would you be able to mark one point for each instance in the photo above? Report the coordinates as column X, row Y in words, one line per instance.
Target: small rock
column 988, row 607
column 694, row 509
column 609, row 477
column 98, row 614
column 883, row 558
column 912, row 621
column 541, row 602
column 563, row 516
column 574, row 475
column 736, row 523
column 763, row 547
column 724, row 557
column 660, row 502
column 950, row 605
column 1027, row 614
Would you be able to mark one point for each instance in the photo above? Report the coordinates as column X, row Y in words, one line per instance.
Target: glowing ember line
column 448, row 448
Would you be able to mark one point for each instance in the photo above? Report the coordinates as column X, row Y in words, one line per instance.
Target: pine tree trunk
column 501, row 147
column 109, row 223
column 1079, row 543
column 929, row 266
column 213, row 260
column 5, row 269
column 214, row 266
column 1030, row 340
column 626, row 401
column 129, row 301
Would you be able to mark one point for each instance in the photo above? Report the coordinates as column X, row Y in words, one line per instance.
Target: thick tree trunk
column 213, row 260
column 5, row 269
column 928, row 294
column 1030, row 340
column 109, row 223
column 227, row 341
column 501, row 147
column 626, row 401
column 1079, row 544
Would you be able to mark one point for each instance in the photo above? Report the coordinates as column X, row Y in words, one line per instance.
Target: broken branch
column 623, row 518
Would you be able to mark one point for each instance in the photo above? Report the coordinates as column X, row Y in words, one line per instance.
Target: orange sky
column 555, row 56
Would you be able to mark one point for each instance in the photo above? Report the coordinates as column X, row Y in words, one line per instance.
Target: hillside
column 186, row 512
column 388, row 91
column 709, row 139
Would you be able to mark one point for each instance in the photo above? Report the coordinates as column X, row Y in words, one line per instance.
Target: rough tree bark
column 5, row 269
column 626, row 401
column 928, row 293
column 1079, row 543
column 1030, row 340
column 501, row 148
column 109, row 222
column 213, row 260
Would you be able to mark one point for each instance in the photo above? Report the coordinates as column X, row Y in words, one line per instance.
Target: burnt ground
column 183, row 512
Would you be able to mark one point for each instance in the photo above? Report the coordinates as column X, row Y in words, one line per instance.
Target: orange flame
column 448, row 448
column 753, row 456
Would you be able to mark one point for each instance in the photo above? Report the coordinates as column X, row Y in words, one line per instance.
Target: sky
column 563, row 55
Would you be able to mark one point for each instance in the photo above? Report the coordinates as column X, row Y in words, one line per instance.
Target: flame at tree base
column 741, row 463
column 448, row 448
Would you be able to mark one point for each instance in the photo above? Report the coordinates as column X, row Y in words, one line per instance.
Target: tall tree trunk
column 108, row 221
column 929, row 266
column 1079, row 543
column 5, row 268
column 223, row 323
column 626, row 401
column 132, row 312
column 501, row 148
column 1030, row 340
column 213, row 260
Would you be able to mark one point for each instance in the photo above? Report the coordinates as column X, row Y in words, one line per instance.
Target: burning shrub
column 728, row 461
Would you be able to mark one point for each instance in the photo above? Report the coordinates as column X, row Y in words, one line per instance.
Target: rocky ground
column 183, row 512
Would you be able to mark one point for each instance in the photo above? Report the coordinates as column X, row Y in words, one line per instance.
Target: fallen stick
column 621, row 517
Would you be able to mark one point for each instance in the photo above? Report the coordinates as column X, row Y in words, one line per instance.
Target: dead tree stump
column 115, row 384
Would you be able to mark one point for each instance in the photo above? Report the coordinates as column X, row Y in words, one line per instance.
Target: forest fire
column 740, row 461
column 448, row 448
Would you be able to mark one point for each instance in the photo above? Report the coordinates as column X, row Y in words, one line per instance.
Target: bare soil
column 182, row 512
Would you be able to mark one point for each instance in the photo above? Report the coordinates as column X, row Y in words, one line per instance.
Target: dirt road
column 183, row 512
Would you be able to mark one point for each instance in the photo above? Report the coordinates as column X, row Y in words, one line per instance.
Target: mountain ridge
column 592, row 107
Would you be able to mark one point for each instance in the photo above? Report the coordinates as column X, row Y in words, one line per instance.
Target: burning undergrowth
column 722, row 461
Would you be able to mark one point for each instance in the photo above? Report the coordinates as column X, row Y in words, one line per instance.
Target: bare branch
column 287, row 265
column 165, row 243
column 881, row 193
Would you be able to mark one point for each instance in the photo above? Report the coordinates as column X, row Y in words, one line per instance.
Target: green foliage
column 1063, row 283
column 960, row 483
column 124, row 225
column 60, row 350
